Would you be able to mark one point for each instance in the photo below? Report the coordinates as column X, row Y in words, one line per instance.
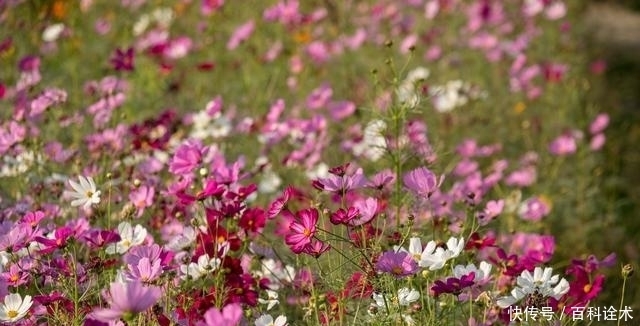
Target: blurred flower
column 123, row 60
column 422, row 181
column 535, row 208
column 14, row 307
column 230, row 315
column 373, row 145
column 241, row 34
column 52, row 32
column 599, row 124
column 267, row 320
column 126, row 300
column 563, row 145
column 85, row 192
column 271, row 301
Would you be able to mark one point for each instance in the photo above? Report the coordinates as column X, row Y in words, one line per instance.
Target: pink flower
column 142, row 198
column 188, row 157
column 534, row 209
column 126, row 299
column 207, row 7
column 241, row 34
column 599, row 124
column 398, row 264
column 367, row 209
column 422, row 181
column 230, row 315
column 341, row 183
column 563, row 145
column 597, row 142
column 302, row 230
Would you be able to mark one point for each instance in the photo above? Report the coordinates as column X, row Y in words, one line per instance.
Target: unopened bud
column 627, row 270
column 137, row 182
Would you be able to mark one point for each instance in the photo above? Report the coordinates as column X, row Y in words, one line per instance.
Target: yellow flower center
column 126, row 243
column 89, row 193
column 13, row 278
column 306, row 232
column 12, row 314
column 587, row 288
column 397, row 270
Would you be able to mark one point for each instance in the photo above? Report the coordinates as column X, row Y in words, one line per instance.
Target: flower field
column 308, row 162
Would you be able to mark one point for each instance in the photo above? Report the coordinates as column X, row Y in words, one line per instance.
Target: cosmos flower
column 422, row 181
column 302, row 230
column 398, row 264
column 129, row 237
column 14, row 307
column 531, row 285
column 267, row 320
column 127, row 299
column 230, row 315
column 85, row 192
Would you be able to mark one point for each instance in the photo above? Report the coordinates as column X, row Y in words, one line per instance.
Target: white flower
column 541, row 282
column 481, row 274
column 269, row 183
column 319, row 171
column 85, row 192
column 276, row 273
column 271, row 301
column 183, row 240
column 204, row 266
column 14, row 308
column 4, row 259
column 52, row 32
column 434, row 257
column 415, row 248
column 129, row 237
column 267, row 320
column 373, row 144
column 405, row 297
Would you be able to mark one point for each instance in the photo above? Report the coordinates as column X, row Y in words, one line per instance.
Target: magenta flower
column 188, row 157
column 302, row 230
column 59, row 240
column 230, row 315
column 453, row 285
column 398, row 264
column 344, row 216
column 126, row 300
column 422, row 182
column 280, row 203
column 123, row 59
column 316, row 248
